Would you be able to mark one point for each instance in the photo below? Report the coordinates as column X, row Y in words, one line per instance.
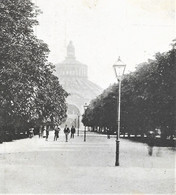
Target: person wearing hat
column 56, row 132
column 72, row 132
column 66, row 131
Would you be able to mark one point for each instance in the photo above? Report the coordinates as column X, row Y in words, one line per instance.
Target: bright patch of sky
column 102, row 30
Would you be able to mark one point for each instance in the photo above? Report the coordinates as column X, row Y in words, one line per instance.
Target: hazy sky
column 102, row 30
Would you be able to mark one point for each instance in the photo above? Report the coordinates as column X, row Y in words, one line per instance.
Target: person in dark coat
column 72, row 132
column 47, row 133
column 56, row 132
column 66, row 131
column 40, row 131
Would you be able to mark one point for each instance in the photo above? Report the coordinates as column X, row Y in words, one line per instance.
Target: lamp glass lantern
column 119, row 69
column 85, row 106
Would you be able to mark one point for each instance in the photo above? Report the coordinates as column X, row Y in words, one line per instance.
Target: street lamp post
column 85, row 107
column 119, row 68
column 78, row 124
column 75, row 122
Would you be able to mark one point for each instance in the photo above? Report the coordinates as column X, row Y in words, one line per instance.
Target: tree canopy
column 147, row 99
column 29, row 90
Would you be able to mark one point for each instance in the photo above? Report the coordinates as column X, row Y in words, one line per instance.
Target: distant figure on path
column 56, row 132
column 72, row 132
column 40, row 131
column 31, row 132
column 150, row 142
column 43, row 128
column 66, row 131
column 47, row 133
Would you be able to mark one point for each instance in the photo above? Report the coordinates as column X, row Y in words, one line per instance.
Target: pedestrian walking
column 56, row 132
column 47, row 133
column 44, row 131
column 72, row 132
column 40, row 131
column 31, row 132
column 66, row 131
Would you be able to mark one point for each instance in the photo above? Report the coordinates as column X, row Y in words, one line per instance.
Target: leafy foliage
column 29, row 91
column 147, row 101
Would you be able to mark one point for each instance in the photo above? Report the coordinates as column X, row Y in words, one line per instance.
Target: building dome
column 73, row 76
column 70, row 67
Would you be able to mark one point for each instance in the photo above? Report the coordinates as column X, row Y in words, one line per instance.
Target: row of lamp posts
column 119, row 69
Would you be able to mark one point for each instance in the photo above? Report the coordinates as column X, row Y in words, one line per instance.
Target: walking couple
column 67, row 131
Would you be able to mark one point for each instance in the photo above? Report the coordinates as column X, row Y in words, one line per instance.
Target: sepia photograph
column 88, row 97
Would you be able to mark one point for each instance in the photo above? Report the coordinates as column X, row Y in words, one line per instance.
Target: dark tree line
column 30, row 93
column 147, row 103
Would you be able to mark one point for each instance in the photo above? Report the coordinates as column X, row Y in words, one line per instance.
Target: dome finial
column 70, row 50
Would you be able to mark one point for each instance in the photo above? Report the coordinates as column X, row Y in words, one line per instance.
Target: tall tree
column 28, row 88
column 148, row 99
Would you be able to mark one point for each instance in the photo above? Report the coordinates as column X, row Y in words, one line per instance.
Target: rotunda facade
column 73, row 76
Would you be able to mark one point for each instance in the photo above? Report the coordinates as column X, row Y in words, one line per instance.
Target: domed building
column 73, row 76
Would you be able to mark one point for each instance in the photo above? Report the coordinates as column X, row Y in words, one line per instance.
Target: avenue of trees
column 30, row 94
column 147, row 100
